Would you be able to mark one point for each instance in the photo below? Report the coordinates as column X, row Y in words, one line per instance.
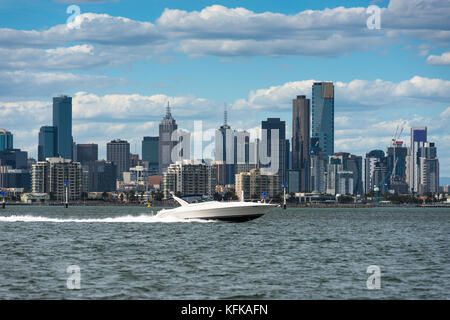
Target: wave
column 121, row 219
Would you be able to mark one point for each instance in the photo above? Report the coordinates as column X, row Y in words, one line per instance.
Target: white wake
column 121, row 219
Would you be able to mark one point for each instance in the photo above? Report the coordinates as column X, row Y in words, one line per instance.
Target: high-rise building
column 14, row 178
column 51, row 176
column 242, row 152
column 271, row 125
column 15, row 158
column 354, row 164
column 47, row 143
column 318, row 167
column 254, row 183
column 301, row 141
column 428, row 168
column 293, row 181
column 373, row 158
column 30, row 162
column 62, row 121
column 226, row 152
column 118, row 152
column 344, row 162
column 418, row 138
column 6, row 140
column 339, row 181
column 135, row 160
column 323, row 116
column 39, row 175
column 150, row 153
column 102, row 176
column 87, row 152
column 74, row 151
column 397, row 155
column 189, row 177
column 167, row 126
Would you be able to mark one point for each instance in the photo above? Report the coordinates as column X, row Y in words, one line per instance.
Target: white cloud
column 137, row 107
column 221, row 31
column 15, row 85
column 442, row 60
column 356, row 94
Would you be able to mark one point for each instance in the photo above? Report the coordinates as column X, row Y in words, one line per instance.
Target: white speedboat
column 215, row 210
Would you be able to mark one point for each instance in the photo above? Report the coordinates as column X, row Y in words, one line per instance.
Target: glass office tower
column 301, row 141
column 276, row 124
column 62, row 121
column 150, row 152
column 46, row 147
column 6, row 140
column 323, row 116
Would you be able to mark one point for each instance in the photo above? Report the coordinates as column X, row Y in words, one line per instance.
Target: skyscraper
column 150, row 152
column 62, row 121
column 373, row 158
column 418, row 138
column 346, row 166
column 46, row 146
column 301, row 141
column 318, row 167
column 226, row 149
column 429, row 168
column 276, row 124
column 87, row 152
column 167, row 126
column 6, row 140
column 397, row 155
column 118, row 152
column 102, row 176
column 323, row 115
column 15, row 158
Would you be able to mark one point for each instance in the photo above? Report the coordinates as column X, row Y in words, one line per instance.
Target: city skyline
column 374, row 90
column 287, row 158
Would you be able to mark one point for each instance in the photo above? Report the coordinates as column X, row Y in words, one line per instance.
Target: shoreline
column 169, row 204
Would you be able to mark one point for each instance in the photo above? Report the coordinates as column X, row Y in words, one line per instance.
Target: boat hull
column 234, row 213
column 244, row 218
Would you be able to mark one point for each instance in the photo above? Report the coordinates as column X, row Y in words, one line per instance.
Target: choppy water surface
column 125, row 253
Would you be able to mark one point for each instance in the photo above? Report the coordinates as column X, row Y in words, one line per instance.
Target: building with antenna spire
column 165, row 144
column 224, row 157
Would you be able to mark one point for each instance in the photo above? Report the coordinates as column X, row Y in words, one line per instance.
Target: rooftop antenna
column 168, row 110
column 225, row 115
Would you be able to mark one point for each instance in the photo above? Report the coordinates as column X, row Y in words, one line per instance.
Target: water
column 124, row 253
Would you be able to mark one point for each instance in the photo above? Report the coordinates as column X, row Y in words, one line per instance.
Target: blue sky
column 128, row 58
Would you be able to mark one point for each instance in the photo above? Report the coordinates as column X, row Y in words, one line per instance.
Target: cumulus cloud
column 356, row 94
column 221, row 31
column 94, row 28
column 139, row 108
column 442, row 60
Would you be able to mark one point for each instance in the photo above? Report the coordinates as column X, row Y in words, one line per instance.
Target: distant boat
column 238, row 211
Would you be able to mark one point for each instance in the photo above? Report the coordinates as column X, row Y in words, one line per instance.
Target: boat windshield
column 196, row 198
